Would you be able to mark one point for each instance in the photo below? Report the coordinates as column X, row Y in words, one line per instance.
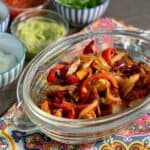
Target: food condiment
column 17, row 6
column 95, row 83
column 38, row 32
column 24, row 3
column 7, row 61
column 80, row 3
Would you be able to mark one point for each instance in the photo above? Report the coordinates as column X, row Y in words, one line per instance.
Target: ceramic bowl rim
column 91, row 8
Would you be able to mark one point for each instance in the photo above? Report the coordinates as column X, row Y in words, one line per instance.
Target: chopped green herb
column 80, row 4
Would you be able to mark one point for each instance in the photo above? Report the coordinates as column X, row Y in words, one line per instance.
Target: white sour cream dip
column 7, row 61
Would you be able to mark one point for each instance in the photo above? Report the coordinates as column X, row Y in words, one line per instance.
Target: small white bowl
column 10, row 44
column 4, row 17
column 79, row 17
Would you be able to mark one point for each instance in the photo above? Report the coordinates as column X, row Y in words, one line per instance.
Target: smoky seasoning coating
column 95, row 84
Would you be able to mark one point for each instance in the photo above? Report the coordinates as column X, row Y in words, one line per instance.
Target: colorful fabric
column 133, row 137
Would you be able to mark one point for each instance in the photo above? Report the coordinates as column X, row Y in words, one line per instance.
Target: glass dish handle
column 21, row 121
column 146, row 58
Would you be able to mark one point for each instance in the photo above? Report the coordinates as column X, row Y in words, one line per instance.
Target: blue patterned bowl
column 79, row 17
column 10, row 44
column 4, row 17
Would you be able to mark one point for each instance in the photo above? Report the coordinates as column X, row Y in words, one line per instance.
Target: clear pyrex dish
column 32, row 83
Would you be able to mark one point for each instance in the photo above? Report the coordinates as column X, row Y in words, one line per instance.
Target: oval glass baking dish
column 76, row 131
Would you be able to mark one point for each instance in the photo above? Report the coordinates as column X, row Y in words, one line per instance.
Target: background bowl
column 32, row 83
column 4, row 17
column 33, row 47
column 11, row 45
column 24, row 6
column 79, row 17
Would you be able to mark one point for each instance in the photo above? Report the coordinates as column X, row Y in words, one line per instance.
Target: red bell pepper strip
column 67, row 106
column 52, row 73
column 59, row 95
column 71, row 114
column 108, row 54
column 83, row 91
column 73, row 79
column 64, row 105
column 89, row 48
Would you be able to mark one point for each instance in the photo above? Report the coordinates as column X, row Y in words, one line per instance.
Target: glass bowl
column 37, row 28
column 76, row 131
column 16, row 7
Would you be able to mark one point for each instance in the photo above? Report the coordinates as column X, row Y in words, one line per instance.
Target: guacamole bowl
column 33, row 82
column 38, row 28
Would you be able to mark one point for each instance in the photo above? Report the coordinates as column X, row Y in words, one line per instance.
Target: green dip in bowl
column 38, row 31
